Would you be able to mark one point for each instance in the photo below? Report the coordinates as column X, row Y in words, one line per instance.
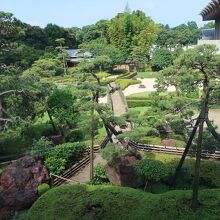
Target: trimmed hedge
column 72, row 202
column 124, row 83
column 138, row 103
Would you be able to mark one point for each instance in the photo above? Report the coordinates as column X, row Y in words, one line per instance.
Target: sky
column 78, row 13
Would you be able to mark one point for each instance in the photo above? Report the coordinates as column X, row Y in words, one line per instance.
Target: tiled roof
column 211, row 11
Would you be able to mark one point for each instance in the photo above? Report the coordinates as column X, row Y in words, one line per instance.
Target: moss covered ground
column 72, row 202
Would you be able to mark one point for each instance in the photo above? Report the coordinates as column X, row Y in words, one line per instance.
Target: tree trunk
column 52, row 122
column 1, row 114
column 145, row 187
column 185, row 151
column 195, row 202
column 212, row 130
column 203, row 118
column 92, row 144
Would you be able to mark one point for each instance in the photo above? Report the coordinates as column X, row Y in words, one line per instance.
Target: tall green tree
column 194, row 68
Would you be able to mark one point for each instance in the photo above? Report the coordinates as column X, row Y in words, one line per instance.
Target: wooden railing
column 172, row 150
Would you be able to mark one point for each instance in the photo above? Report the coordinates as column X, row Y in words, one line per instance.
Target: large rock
column 19, row 182
column 122, row 172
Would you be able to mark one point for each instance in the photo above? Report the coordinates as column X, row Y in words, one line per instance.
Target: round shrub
column 150, row 170
column 41, row 189
column 99, row 175
column 162, row 58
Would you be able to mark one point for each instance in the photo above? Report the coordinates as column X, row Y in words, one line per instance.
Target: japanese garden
column 119, row 119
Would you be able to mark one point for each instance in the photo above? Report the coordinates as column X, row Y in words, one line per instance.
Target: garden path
column 83, row 176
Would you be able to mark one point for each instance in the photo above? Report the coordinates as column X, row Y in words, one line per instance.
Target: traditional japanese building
column 209, row 13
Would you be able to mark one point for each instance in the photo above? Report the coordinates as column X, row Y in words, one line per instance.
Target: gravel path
column 149, row 87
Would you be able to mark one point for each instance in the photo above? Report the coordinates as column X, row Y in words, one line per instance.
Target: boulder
column 19, row 182
column 122, row 173
column 142, row 86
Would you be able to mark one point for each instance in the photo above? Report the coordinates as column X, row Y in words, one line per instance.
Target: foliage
column 148, row 75
column 109, row 202
column 150, row 140
column 182, row 35
column 99, row 176
column 129, row 31
column 63, row 156
column 124, row 83
column 112, row 153
column 43, row 188
column 161, row 58
column 209, row 173
column 47, row 67
column 41, row 147
column 150, row 170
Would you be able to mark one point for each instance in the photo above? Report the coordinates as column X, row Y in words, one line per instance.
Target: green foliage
column 43, row 188
column 182, row 35
column 150, row 140
column 161, row 58
column 56, row 165
column 112, row 153
column 41, row 147
column 209, row 173
column 99, row 176
column 109, row 202
column 63, row 156
column 148, row 75
column 150, row 170
column 124, row 83
column 47, row 67
column 129, row 31
column 138, row 103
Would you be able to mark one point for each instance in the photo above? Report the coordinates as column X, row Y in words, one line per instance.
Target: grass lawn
column 148, row 75
column 140, row 94
column 140, row 110
column 84, row 202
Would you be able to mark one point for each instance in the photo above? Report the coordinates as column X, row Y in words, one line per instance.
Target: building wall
column 213, row 42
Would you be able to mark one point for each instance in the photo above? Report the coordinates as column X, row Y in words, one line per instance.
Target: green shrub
column 161, row 58
column 111, row 153
column 139, row 103
column 41, row 147
column 124, row 83
column 150, row 170
column 150, row 140
column 75, row 135
column 71, row 202
column 41, row 189
column 103, row 74
column 12, row 143
column 116, row 72
column 63, row 156
column 99, row 175
column 209, row 173
column 56, row 165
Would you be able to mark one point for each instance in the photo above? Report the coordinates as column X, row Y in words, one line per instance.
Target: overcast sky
column 77, row 13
